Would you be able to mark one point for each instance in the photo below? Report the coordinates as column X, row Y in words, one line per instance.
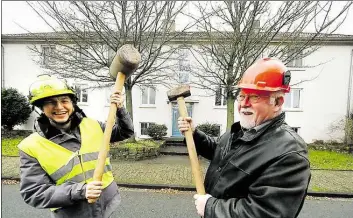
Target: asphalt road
column 167, row 204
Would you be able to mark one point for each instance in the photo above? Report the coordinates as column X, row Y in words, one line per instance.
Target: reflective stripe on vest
column 64, row 165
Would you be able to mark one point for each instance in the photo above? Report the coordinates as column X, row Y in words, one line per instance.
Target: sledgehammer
column 179, row 93
column 123, row 65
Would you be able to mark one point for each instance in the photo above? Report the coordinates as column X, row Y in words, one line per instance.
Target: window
column 144, row 127
column 184, row 66
column 296, row 62
column 148, row 95
column 183, row 77
column 221, row 97
column 265, row 53
column 81, row 94
column 292, row 99
column 81, row 53
column 47, row 54
column 169, row 24
column 256, row 24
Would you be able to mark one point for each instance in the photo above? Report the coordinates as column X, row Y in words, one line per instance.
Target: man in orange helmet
column 259, row 168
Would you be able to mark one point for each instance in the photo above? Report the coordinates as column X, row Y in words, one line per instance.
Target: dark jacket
column 263, row 172
column 37, row 188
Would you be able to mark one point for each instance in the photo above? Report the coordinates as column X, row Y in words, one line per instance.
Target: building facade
column 321, row 96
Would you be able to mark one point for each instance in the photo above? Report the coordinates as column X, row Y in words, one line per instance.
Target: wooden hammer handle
column 104, row 149
column 195, row 166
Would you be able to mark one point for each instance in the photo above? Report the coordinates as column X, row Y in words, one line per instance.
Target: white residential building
column 313, row 107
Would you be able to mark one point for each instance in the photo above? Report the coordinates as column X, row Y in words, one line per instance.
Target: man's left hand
column 200, row 203
column 117, row 98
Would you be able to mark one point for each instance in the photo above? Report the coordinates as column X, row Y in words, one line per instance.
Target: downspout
column 350, row 85
column 348, row 139
column 2, row 66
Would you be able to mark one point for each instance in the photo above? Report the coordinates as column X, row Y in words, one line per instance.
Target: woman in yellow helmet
column 58, row 160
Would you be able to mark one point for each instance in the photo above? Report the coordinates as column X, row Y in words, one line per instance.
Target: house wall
column 323, row 98
column 19, row 71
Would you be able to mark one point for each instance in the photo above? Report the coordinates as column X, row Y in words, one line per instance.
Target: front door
column 175, row 116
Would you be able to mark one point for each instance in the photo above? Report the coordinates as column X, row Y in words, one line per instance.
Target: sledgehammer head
column 180, row 91
column 126, row 61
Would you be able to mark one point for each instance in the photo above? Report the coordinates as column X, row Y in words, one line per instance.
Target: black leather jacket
column 262, row 173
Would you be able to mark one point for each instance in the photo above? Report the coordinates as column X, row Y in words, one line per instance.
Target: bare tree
column 233, row 39
column 87, row 35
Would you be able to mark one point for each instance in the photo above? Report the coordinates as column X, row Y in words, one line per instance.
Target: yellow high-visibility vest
column 63, row 165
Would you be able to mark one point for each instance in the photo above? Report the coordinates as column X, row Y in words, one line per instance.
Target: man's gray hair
column 276, row 95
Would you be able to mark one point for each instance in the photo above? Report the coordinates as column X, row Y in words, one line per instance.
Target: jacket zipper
column 80, row 159
column 238, row 149
column 226, row 148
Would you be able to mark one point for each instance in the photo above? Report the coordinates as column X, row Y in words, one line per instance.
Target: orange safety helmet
column 266, row 74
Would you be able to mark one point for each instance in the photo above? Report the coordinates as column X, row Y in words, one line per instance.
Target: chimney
column 170, row 26
column 256, row 25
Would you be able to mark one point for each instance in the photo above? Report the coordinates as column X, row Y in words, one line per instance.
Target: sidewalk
column 170, row 171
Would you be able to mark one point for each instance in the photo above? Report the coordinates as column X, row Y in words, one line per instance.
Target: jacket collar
column 255, row 132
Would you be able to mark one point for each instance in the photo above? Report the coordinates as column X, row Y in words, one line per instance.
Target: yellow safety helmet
column 47, row 86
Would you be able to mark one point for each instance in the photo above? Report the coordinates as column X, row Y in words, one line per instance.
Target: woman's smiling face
column 58, row 108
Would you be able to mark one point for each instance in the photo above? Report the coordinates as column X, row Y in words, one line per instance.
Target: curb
column 332, row 170
column 190, row 188
column 173, row 153
column 330, row 194
column 10, row 178
column 157, row 186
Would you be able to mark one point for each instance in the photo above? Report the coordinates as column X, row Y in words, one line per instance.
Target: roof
column 178, row 36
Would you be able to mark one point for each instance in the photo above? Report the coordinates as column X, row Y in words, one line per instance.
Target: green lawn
column 9, row 146
column 330, row 160
column 318, row 159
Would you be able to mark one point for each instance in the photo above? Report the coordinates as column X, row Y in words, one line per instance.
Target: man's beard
column 247, row 121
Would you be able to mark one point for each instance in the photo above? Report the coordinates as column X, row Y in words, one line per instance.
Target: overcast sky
column 18, row 12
